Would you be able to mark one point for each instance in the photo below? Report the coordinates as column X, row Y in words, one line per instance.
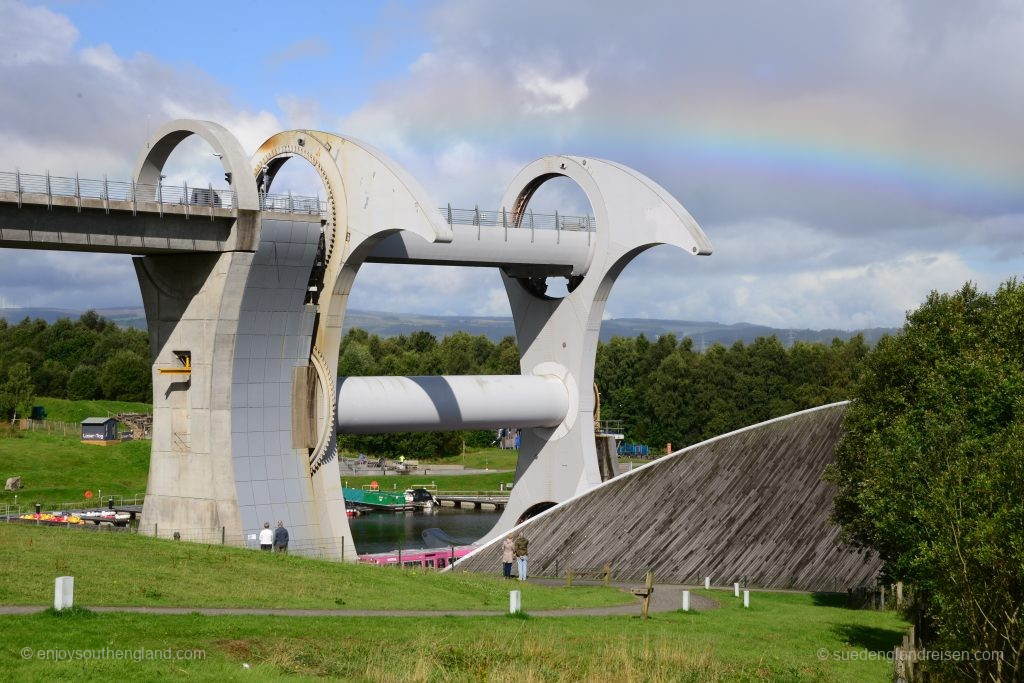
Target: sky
column 845, row 159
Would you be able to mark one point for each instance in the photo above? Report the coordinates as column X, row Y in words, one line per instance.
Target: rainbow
column 861, row 169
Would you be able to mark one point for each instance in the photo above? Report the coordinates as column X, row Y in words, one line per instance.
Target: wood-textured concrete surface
column 747, row 506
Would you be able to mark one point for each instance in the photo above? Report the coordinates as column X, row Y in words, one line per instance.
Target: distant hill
column 124, row 317
column 494, row 328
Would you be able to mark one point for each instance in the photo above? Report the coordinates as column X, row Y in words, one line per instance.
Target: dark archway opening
column 535, row 510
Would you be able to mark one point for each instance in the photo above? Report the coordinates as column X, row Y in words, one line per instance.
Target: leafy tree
column 84, row 383
column 17, row 392
column 931, row 471
column 125, row 377
column 356, row 361
column 51, row 379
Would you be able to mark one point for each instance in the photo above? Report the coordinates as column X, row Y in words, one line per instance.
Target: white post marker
column 736, row 589
column 686, row 601
column 746, row 598
column 64, row 592
column 707, row 583
column 515, row 602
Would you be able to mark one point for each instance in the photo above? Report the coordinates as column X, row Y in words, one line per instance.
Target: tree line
column 85, row 359
column 930, row 472
column 663, row 390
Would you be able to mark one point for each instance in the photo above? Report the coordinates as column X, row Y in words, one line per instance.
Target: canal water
column 380, row 532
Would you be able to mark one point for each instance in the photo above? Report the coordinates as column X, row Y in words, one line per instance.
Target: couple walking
column 514, row 549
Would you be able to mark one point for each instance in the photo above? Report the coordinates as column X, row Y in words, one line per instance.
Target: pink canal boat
column 432, row 558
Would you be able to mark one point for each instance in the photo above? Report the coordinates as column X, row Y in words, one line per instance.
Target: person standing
column 521, row 547
column 508, row 555
column 280, row 538
column 266, row 537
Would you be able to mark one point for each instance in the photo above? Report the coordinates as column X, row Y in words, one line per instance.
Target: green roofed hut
column 99, row 430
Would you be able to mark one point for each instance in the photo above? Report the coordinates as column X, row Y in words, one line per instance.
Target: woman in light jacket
column 508, row 555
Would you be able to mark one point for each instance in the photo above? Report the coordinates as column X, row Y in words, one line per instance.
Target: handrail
column 107, row 191
column 471, row 494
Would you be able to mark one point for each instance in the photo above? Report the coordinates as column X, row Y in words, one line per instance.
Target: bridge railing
column 51, row 186
column 531, row 220
column 469, row 495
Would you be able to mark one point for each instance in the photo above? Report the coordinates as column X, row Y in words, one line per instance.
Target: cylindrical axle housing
column 377, row 405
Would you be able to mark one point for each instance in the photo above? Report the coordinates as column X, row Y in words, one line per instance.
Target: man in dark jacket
column 521, row 554
column 280, row 538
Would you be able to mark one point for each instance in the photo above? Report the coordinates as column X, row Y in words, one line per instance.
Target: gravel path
column 666, row 599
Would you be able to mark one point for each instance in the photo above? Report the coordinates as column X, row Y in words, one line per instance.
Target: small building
column 99, row 429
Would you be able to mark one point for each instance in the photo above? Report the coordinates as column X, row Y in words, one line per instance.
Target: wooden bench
column 645, row 592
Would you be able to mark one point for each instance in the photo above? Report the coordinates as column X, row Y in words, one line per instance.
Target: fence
column 99, row 501
column 50, row 186
column 557, row 566
column 51, row 427
column 634, row 450
column 140, row 424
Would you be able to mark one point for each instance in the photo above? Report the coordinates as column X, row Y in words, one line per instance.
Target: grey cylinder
column 376, row 405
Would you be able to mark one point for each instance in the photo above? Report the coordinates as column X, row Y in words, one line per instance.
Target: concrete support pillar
column 559, row 336
column 192, row 306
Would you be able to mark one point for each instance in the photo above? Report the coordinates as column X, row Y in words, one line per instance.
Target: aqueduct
column 247, row 313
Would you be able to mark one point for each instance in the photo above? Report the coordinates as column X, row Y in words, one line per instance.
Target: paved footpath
column 666, row 599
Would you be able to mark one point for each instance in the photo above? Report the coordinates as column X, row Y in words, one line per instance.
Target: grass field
column 113, row 568
column 777, row 639
column 62, row 410
column 474, row 458
column 57, row 469
column 480, row 459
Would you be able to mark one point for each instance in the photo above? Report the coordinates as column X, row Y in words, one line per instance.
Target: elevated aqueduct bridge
column 245, row 294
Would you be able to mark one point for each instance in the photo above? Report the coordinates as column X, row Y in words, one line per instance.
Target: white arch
column 369, row 197
column 560, row 336
column 165, row 139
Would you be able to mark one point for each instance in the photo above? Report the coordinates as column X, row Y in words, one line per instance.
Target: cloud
column 844, row 158
column 30, row 35
column 827, row 149
column 789, row 275
column 83, row 281
column 87, row 109
column 550, row 95
column 429, row 289
column 300, row 112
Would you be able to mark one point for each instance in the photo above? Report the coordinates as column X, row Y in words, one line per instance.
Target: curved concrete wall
column 750, row 503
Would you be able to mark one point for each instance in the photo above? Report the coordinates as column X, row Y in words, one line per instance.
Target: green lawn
column 62, row 410
column 778, row 638
column 117, row 568
column 474, row 458
column 59, row 469
column 480, row 459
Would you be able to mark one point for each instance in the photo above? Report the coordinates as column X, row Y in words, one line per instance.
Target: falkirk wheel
column 250, row 433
